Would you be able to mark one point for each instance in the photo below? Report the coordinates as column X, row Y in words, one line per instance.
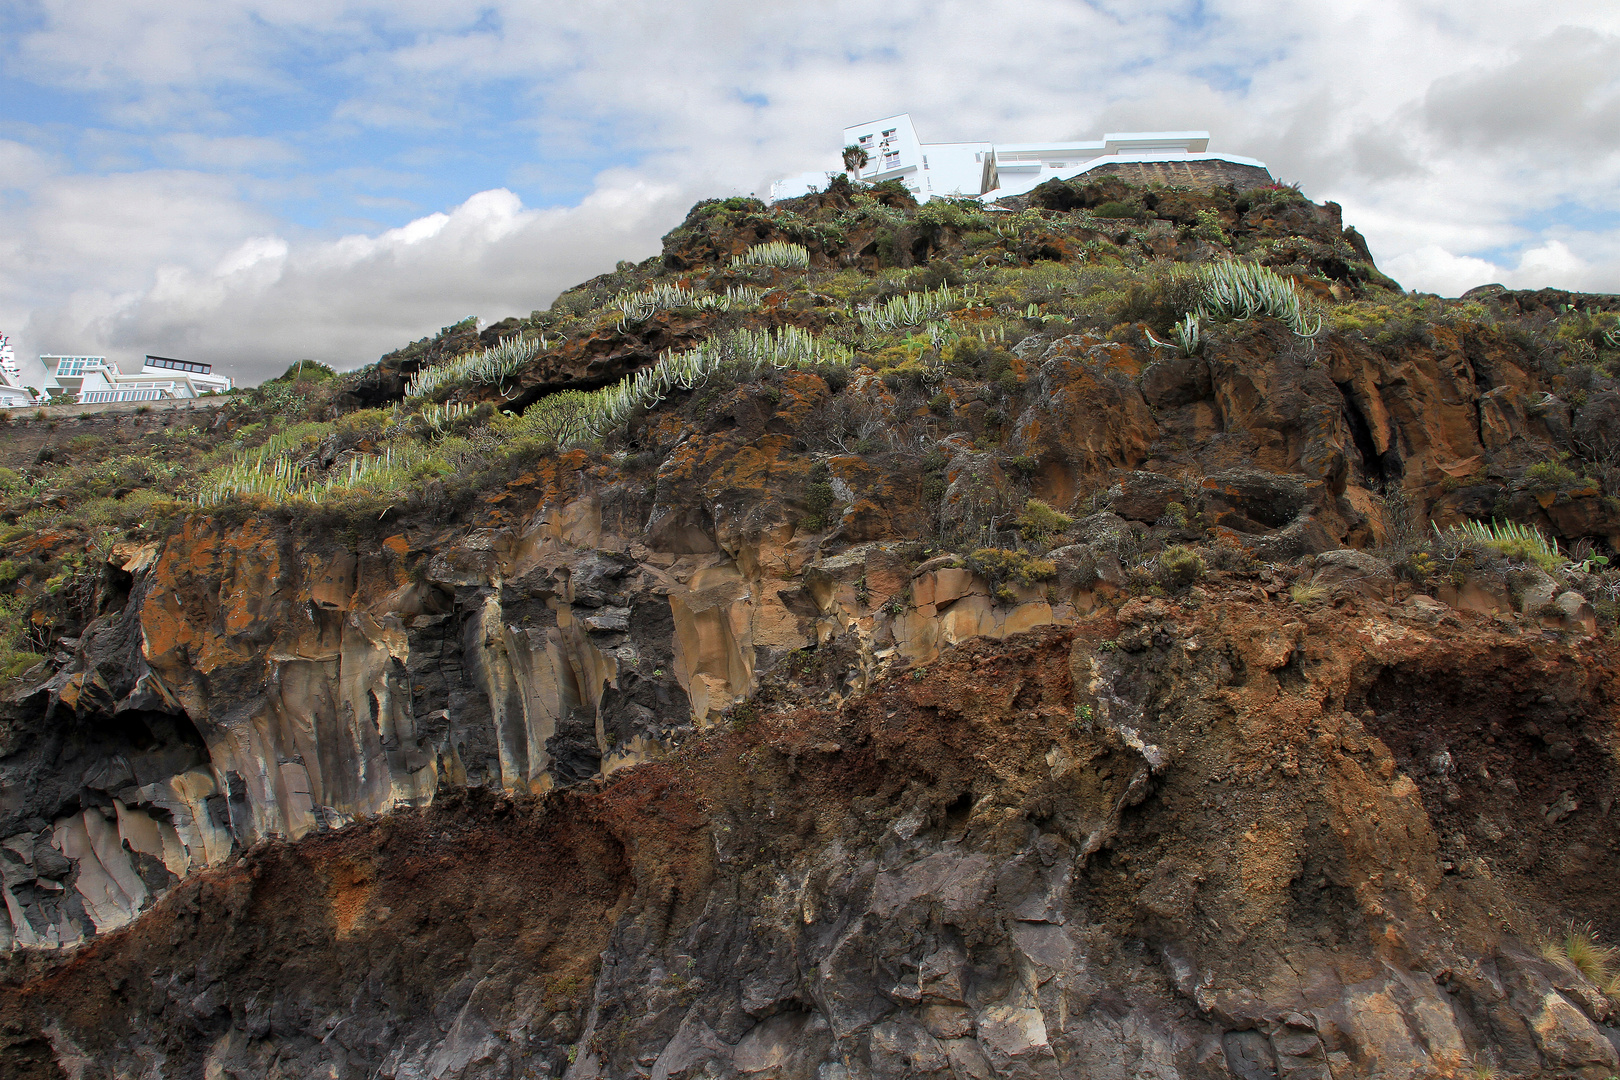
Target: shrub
column 1038, row 522
column 1115, row 209
column 1001, row 565
column 1208, row 228
column 638, row 307
column 1026, row 465
column 306, row 371
column 488, row 367
column 1244, row 290
column 1185, row 336
column 912, row 309
column 1520, row 543
column 16, row 651
column 818, row 497
column 775, row 253
column 1179, row 567
column 1546, row 476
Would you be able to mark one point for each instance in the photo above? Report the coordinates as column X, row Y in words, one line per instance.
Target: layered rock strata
column 1230, row 840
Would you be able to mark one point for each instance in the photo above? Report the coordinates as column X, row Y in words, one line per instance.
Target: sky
column 252, row 183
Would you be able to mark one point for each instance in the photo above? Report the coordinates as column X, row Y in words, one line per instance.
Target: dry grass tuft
column 1308, row 594
column 1580, row 948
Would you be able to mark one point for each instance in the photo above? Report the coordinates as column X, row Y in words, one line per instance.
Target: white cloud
column 1553, row 264
column 1550, row 265
column 269, row 302
column 1433, row 269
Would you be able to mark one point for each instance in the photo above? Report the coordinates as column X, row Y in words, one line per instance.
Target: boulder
column 1355, row 570
column 1143, row 496
column 1574, row 613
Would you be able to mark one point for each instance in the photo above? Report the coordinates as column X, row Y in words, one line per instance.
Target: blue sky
column 252, row 183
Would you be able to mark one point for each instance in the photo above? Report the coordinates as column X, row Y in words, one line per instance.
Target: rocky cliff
column 924, row 669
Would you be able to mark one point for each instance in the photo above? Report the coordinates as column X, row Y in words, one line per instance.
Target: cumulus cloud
column 1437, row 132
column 1440, row 271
column 1434, row 269
column 268, row 302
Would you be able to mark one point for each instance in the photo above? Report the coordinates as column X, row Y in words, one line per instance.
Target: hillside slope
column 1117, row 635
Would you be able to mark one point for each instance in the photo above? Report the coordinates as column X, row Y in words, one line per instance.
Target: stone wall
column 1184, row 173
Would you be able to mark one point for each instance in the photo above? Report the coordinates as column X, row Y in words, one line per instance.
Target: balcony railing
column 102, row 397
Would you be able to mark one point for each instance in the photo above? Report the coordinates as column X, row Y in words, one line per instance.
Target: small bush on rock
column 1518, row 543
column 1179, row 567
column 1115, row 209
column 818, row 498
column 1038, row 522
column 1001, row 565
column 1546, row 476
column 1578, row 946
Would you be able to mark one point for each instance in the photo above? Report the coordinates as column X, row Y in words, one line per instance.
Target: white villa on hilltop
column 994, row 171
column 93, row 380
column 13, row 394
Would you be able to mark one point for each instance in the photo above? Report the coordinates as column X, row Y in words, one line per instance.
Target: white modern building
column 91, row 380
column 1001, row 170
column 13, row 394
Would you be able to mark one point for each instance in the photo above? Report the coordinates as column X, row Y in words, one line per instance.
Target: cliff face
column 781, row 731
column 1223, row 840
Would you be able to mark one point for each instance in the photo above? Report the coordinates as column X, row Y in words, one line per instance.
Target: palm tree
column 855, row 160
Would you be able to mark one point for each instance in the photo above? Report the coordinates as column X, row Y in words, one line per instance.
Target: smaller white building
column 93, row 380
column 13, row 394
column 1001, row 170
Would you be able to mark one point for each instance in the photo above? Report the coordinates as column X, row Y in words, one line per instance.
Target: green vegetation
column 819, row 498
column 17, row 653
column 775, row 253
column 1039, row 523
column 1519, row 543
column 311, row 371
column 269, row 474
column 1178, row 567
column 910, row 309
column 1243, row 290
column 1116, row 210
column 1550, row 476
column 1000, row 566
column 488, row 367
column 638, row 307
